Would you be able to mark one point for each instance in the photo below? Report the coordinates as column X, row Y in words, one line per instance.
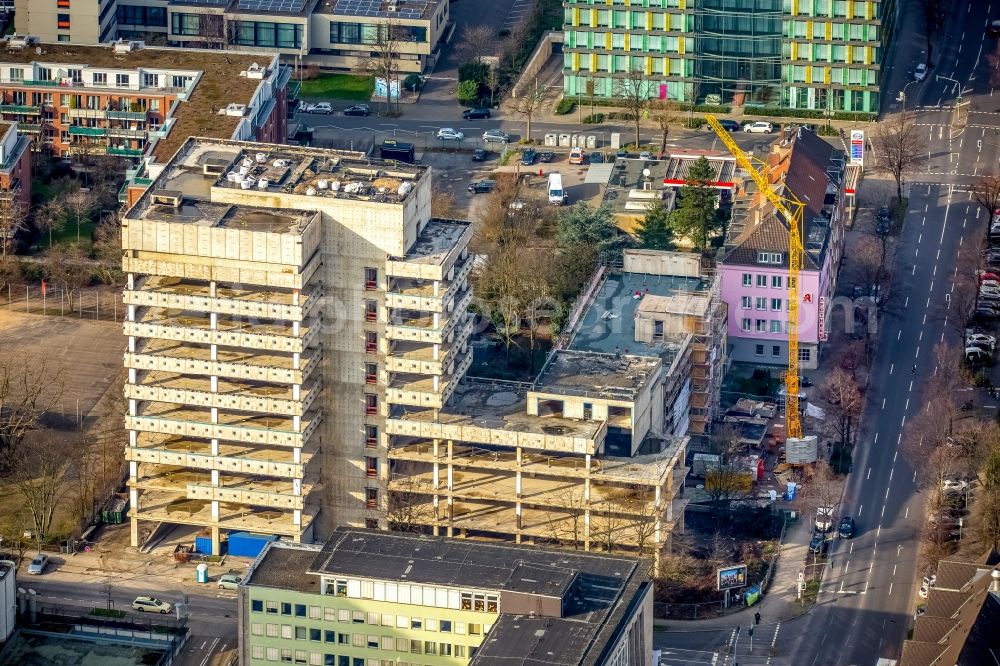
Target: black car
column 883, row 219
column 847, row 528
column 475, row 114
column 546, row 156
column 358, row 110
column 818, row 544
column 595, row 158
column 528, row 157
column 482, row 186
column 478, row 155
column 730, row 125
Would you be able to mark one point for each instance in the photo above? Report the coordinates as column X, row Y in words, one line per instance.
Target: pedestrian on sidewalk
column 756, row 617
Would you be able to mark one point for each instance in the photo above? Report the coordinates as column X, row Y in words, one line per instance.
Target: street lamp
column 901, row 97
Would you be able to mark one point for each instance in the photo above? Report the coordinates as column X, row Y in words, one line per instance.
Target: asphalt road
column 868, row 596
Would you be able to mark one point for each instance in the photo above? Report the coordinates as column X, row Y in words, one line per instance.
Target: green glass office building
column 807, row 54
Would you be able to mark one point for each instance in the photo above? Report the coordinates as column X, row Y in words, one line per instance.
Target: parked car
column 495, row 136
column 975, row 354
column 883, row 220
column 475, row 114
column 730, row 125
column 482, row 186
column 645, row 155
column 151, row 604
column 596, row 157
column 528, row 157
column 449, row 134
column 759, row 127
column 38, row 564
column 621, row 153
column 994, row 28
column 980, row 340
column 988, row 275
column 954, row 485
column 847, row 528
column 478, row 155
column 546, row 156
column 577, row 156
column 229, row 581
column 818, row 544
column 321, row 107
column 358, row 110
column 920, row 73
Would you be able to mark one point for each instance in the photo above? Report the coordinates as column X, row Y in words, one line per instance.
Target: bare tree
column 493, row 82
column 409, row 509
column 50, row 217
column 27, row 391
column 822, row 490
column 527, row 103
column 665, row 117
column 566, row 517
column 108, row 249
column 633, row 92
column 728, row 481
column 68, row 268
column 13, row 213
column 841, row 391
column 694, row 88
column 80, row 205
column 384, row 62
column 475, row 42
column 212, row 30
column 902, row 146
column 38, row 472
column 987, row 193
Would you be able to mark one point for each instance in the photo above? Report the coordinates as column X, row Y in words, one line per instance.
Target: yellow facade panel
column 576, row 62
column 628, row 40
column 829, row 31
column 809, row 29
column 593, row 18
column 576, row 16
column 607, row 41
column 795, row 51
column 649, row 65
column 826, row 75
column 680, row 44
column 649, row 20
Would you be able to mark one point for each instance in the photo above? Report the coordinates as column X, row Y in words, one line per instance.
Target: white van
column 557, row 195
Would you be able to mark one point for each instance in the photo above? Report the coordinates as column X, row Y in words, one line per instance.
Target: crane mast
column 791, row 209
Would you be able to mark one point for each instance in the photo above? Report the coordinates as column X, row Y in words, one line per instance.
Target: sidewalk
column 778, row 603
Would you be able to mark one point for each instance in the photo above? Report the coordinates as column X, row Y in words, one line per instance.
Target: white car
column 920, row 73
column 449, row 134
column 38, row 564
column 980, row 340
column 321, row 107
column 953, row 486
column 759, row 127
column 151, row 604
column 645, row 155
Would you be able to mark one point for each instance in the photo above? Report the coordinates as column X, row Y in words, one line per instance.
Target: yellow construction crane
column 790, row 208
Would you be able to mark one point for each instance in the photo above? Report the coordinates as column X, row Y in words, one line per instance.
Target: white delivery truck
column 557, row 195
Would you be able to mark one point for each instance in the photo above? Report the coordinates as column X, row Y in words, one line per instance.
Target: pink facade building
column 755, row 264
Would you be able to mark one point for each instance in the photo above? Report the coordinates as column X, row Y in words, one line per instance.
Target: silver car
column 495, row 136
column 229, row 582
column 38, row 564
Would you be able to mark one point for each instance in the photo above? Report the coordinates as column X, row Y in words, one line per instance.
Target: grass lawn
column 338, row 86
column 68, row 235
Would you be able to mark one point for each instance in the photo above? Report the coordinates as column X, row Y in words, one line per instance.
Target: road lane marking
column 883, row 514
column 891, row 470
column 869, row 475
column 859, row 510
column 903, row 423
column 891, row 366
column 876, row 439
column 890, row 584
column 911, row 384
column 883, row 403
column 895, row 454
column 907, row 513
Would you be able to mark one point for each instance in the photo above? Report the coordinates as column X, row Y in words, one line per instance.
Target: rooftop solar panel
column 284, row 6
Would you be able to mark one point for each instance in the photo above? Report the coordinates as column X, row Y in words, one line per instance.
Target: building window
column 416, row 623
column 257, row 651
column 371, row 310
column 257, row 605
column 371, row 278
column 746, row 302
column 286, row 608
column 745, row 325
column 805, row 354
column 761, row 280
column 446, row 626
column 267, row 34
column 776, row 326
column 371, row 466
column 286, row 631
column 272, row 606
column 272, row 629
column 315, row 612
column 758, row 350
column 371, row 373
column 100, row 79
column 776, row 304
column 151, row 80
column 373, row 642
column 272, row 654
column 371, row 404
column 776, row 282
column 761, row 326
column 123, row 80
column 62, row 21
column 371, row 341
column 371, row 498
column 761, row 303
column 775, row 350
column 300, row 633
column 371, row 436
column 256, row 628
column 286, row 655
column 300, row 610
column 329, row 636
column 747, row 280
column 188, row 25
column 64, row 38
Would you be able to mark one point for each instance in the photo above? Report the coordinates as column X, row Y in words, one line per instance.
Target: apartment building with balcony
column 331, row 34
column 261, row 353
column 824, row 55
column 15, row 180
column 754, row 267
column 391, row 598
column 131, row 101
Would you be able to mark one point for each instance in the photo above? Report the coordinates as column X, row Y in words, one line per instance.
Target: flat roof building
column 15, row 182
column 410, row 599
column 131, row 100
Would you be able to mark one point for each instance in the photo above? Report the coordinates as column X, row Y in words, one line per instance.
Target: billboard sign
column 381, row 88
column 858, row 147
column 732, row 577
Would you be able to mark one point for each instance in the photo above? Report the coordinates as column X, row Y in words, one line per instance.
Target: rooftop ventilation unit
column 121, row 47
column 167, row 198
column 214, row 167
column 233, row 109
column 254, row 71
column 18, row 42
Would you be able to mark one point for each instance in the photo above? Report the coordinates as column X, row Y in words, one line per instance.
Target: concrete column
column 215, row 510
column 130, row 281
column 133, row 469
column 296, row 297
column 437, row 383
column 437, row 288
column 296, row 361
column 297, row 455
column 437, row 320
column 437, row 352
column 212, row 288
column 131, row 312
column 297, row 423
column 214, row 319
column 131, row 343
column 215, row 447
column 296, row 391
column 214, row 384
column 215, row 414
column 216, row 541
column 133, row 375
column 215, row 477
column 132, row 407
column 297, row 487
column 214, row 352
column 133, row 438
column 297, row 519
column 134, row 530
column 295, row 328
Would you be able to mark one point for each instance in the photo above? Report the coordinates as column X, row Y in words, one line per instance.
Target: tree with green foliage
column 585, row 226
column 695, row 216
column 468, row 92
column 654, row 232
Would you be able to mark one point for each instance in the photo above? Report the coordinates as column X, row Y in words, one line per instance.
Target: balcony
column 166, row 293
column 85, row 113
column 125, row 152
column 429, row 392
column 193, row 327
column 126, row 115
column 28, row 128
column 253, row 367
column 76, row 130
column 232, row 458
column 229, row 394
column 20, row 108
column 35, row 82
column 125, row 133
column 263, row 430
